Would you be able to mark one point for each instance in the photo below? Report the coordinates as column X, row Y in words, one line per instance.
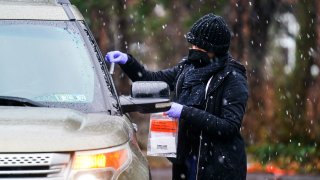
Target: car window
column 46, row 62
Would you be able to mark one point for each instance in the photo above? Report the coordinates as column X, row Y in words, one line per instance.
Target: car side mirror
column 147, row 97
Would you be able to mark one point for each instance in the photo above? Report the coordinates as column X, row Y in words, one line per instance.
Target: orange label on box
column 164, row 126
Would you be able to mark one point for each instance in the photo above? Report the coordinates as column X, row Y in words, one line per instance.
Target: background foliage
column 284, row 105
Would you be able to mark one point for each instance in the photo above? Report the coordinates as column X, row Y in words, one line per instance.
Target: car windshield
column 48, row 62
column 44, row 2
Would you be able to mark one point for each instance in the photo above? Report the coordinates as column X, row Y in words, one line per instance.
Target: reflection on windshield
column 45, row 61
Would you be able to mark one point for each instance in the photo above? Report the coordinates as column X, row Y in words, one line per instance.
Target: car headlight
column 101, row 164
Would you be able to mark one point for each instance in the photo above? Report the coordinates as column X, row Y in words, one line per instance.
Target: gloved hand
column 175, row 110
column 116, row 57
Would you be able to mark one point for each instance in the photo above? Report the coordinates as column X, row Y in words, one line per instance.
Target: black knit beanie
column 210, row 33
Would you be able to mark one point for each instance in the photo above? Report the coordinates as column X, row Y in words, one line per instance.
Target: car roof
column 38, row 10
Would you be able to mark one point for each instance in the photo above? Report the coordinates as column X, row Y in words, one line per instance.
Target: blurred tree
column 250, row 22
column 162, row 26
column 282, row 108
column 292, row 120
column 108, row 21
column 313, row 95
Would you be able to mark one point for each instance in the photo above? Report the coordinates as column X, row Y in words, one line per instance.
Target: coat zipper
column 199, row 153
column 199, row 156
column 205, row 109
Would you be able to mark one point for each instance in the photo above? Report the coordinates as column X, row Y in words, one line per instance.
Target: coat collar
column 220, row 76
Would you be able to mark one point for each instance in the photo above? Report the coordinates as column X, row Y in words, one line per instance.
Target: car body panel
column 138, row 168
column 35, row 129
column 58, row 128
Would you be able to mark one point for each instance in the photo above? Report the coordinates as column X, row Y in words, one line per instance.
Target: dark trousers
column 187, row 170
column 182, row 172
column 179, row 171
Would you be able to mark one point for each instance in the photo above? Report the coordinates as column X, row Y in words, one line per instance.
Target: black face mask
column 198, row 58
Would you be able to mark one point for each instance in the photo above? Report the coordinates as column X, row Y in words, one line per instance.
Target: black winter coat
column 211, row 133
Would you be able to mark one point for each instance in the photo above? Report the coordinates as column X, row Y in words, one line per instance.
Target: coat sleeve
column 233, row 107
column 137, row 72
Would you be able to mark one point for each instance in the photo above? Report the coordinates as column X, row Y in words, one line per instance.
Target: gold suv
column 60, row 115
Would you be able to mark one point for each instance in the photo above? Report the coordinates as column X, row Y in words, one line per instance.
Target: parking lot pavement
column 165, row 174
column 273, row 177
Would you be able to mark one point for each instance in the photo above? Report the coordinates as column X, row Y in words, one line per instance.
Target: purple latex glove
column 175, row 110
column 116, row 57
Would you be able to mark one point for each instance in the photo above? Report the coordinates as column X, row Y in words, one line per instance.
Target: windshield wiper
column 18, row 101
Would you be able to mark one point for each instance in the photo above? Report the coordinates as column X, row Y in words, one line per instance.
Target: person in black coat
column 211, row 94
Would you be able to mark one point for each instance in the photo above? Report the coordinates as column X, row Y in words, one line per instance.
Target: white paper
column 157, row 134
column 162, row 145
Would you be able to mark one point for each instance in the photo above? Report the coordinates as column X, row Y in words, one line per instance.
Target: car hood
column 35, row 129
